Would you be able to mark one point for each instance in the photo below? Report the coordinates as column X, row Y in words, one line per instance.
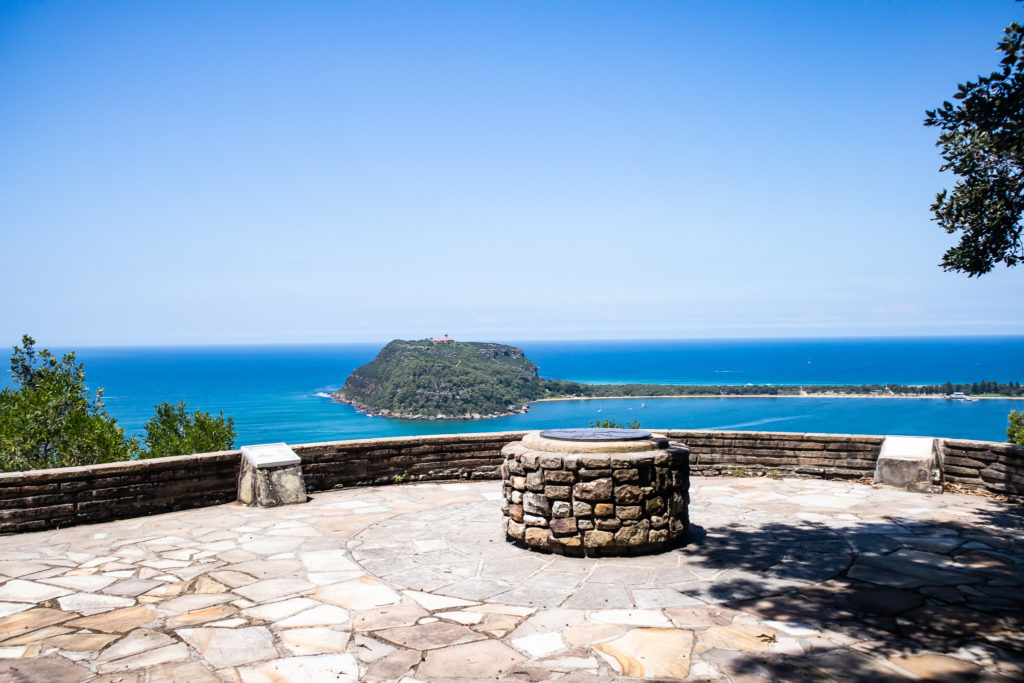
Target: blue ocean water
column 273, row 392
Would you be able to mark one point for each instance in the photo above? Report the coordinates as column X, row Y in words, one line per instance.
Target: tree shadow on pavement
column 893, row 590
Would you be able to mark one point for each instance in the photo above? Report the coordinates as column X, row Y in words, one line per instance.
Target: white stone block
column 907, row 462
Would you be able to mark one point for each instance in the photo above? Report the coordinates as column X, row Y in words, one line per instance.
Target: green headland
column 446, row 379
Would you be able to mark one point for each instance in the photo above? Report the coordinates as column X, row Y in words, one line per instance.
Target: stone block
column 597, row 490
column 584, row 524
column 608, row 524
column 571, row 541
column 535, row 520
column 536, row 504
column 550, row 461
column 561, row 508
column 270, row 475
column 515, row 529
column 581, row 509
column 907, row 462
column 626, row 475
column 535, row 481
column 531, row 461
column 597, row 539
column 563, row 525
column 594, row 461
column 537, row 537
column 588, row 474
column 558, row 477
column 558, row 492
column 516, row 512
column 654, row 506
column 604, row 510
column 628, row 512
column 518, row 483
column 633, row 535
column 628, row 494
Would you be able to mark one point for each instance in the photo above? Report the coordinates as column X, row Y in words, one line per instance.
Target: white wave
column 754, row 423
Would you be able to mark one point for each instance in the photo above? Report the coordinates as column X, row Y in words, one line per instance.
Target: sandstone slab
column 341, row 668
column 486, row 659
column 223, row 647
column 358, row 594
column 314, row 641
column 49, row 668
column 651, row 652
column 429, row 636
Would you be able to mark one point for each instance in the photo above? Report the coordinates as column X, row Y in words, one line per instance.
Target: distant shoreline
column 815, row 395
column 386, row 414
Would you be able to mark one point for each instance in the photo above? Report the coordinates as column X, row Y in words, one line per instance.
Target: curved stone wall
column 43, row 499
column 595, row 498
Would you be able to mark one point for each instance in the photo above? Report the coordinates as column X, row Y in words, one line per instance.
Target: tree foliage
column 174, row 431
column 982, row 142
column 1015, row 432
column 49, row 419
column 612, row 424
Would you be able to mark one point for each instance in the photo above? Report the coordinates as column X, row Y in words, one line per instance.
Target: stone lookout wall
column 829, row 456
column 997, row 467
column 45, row 499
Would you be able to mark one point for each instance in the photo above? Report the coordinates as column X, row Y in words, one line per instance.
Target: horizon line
column 866, row 337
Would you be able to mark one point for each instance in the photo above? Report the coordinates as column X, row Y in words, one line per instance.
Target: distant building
column 443, row 340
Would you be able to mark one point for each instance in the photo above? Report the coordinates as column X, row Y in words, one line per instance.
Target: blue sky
column 214, row 172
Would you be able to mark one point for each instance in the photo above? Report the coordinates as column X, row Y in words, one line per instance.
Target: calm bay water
column 272, row 391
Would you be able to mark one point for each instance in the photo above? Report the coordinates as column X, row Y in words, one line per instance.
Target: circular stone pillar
column 595, row 492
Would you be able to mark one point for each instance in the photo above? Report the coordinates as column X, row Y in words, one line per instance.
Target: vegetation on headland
column 422, row 379
column 50, row 419
column 562, row 389
column 429, row 380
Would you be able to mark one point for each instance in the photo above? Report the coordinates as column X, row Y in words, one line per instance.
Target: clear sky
column 220, row 172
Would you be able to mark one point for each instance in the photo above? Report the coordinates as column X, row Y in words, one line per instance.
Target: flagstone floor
column 781, row 580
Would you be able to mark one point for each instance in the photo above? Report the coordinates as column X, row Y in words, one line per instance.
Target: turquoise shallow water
column 272, row 391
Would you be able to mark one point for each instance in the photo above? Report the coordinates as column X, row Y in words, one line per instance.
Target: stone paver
column 779, row 580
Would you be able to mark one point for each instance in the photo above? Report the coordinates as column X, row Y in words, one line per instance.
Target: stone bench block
column 270, row 475
column 909, row 463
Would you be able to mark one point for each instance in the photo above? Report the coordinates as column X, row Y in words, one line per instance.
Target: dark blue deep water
column 272, row 391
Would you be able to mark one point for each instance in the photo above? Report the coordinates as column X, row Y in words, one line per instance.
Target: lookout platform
column 782, row 579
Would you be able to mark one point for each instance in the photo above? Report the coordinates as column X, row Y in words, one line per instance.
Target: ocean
column 278, row 393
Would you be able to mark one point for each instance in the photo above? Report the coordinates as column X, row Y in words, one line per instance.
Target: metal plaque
column 596, row 434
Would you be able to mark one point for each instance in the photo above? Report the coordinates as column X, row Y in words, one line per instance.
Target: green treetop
column 982, row 142
column 50, row 419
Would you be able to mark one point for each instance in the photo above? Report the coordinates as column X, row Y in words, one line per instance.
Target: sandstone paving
column 650, row 652
column 780, row 580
